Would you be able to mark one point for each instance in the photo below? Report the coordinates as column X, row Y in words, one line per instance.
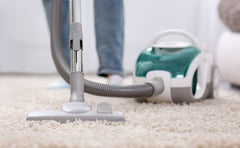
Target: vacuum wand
column 76, row 51
column 77, row 109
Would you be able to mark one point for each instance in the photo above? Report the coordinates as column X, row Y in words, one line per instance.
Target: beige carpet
column 212, row 123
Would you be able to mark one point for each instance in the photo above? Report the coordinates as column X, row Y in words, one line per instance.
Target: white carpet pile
column 212, row 123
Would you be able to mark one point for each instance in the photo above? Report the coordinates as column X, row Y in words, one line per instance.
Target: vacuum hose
column 134, row 91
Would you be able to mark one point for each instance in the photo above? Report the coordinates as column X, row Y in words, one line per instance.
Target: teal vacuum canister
column 185, row 67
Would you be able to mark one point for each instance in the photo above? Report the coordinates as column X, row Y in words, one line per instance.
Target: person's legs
column 65, row 24
column 47, row 7
column 109, row 29
column 60, row 83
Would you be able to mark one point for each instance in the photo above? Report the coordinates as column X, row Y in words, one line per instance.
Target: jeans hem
column 105, row 72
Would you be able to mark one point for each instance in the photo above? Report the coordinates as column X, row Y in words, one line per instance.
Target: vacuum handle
column 75, row 11
column 186, row 34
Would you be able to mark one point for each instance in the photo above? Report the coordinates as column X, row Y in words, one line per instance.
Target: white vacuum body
column 185, row 67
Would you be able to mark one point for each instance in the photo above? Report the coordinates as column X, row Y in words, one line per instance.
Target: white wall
column 24, row 37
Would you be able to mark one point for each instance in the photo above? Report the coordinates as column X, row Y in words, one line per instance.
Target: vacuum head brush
column 73, row 111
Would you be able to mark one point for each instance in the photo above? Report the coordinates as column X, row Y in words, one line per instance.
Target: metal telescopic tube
column 76, row 60
column 75, row 11
column 75, row 18
column 75, row 39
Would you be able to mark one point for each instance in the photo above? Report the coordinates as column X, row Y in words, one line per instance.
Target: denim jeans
column 109, row 30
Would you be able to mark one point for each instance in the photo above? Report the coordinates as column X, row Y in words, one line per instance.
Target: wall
column 24, row 37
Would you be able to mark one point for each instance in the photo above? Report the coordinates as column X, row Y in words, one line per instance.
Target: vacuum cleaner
column 186, row 68
column 171, row 71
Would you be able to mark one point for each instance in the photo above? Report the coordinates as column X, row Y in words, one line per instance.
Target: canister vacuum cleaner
column 173, row 71
column 185, row 67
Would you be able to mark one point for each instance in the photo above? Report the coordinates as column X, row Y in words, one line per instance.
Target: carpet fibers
column 212, row 123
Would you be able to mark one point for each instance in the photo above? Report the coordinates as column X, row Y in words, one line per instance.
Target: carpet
column 211, row 123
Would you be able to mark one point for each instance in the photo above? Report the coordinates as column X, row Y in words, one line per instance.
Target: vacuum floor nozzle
column 104, row 112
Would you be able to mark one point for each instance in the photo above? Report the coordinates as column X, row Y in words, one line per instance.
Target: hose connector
column 158, row 85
